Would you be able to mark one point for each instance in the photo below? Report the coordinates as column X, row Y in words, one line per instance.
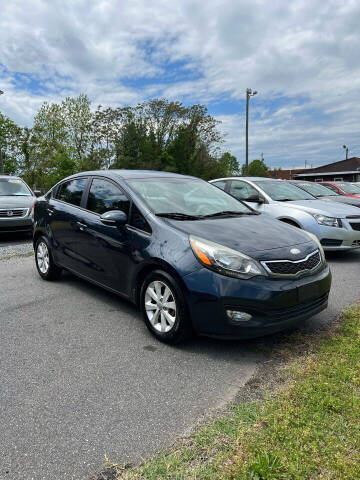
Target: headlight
column 328, row 221
column 225, row 260
column 317, row 241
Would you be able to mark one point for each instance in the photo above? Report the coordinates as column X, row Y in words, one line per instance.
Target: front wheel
column 44, row 261
column 164, row 309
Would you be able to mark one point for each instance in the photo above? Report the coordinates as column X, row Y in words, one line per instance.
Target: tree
column 9, row 145
column 229, row 165
column 257, row 168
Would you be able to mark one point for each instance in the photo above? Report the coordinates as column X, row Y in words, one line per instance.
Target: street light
column 346, row 150
column 249, row 93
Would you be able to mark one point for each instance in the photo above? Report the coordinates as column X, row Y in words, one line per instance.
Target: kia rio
column 191, row 256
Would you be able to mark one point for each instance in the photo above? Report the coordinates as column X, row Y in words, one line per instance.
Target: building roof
column 350, row 165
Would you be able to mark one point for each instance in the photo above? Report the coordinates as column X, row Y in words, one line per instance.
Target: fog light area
column 236, row 316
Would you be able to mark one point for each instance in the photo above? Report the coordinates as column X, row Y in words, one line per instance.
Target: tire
column 172, row 323
column 44, row 262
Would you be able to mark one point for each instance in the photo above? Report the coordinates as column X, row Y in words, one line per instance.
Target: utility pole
column 346, row 151
column 249, row 93
column 1, row 157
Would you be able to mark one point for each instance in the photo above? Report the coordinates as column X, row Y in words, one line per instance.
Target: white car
column 337, row 226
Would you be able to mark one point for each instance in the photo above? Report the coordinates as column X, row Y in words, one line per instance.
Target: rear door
column 65, row 217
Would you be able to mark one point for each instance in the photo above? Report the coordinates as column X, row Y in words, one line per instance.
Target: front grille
column 13, row 212
column 355, row 226
column 293, row 267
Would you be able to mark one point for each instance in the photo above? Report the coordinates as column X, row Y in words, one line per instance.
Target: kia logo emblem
column 294, row 251
column 10, row 213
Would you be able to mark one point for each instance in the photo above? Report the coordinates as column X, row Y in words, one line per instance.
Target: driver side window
column 242, row 190
column 105, row 196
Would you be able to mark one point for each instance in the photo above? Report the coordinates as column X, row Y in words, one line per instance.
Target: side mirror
column 254, row 198
column 37, row 193
column 114, row 218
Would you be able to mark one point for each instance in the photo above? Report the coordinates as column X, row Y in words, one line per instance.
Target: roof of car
column 250, row 179
column 126, row 174
column 9, row 176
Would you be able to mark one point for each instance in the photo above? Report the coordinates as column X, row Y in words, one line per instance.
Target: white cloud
column 302, row 56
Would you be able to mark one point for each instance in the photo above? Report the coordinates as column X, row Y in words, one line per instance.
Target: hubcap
column 160, row 306
column 42, row 256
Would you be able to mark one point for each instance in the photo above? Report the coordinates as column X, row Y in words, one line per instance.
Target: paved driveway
column 81, row 377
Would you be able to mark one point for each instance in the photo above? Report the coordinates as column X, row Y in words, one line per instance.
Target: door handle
column 82, row 226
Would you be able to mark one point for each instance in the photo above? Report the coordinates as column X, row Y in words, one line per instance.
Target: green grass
column 308, row 429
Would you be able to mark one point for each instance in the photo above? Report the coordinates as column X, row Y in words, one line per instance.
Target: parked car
column 16, row 201
column 343, row 188
column 336, row 226
column 191, row 256
column 323, row 193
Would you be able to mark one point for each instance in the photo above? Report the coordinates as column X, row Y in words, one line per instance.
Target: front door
column 106, row 248
column 243, row 191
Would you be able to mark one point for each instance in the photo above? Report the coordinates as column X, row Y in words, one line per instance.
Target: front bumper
column 275, row 304
column 345, row 238
column 13, row 225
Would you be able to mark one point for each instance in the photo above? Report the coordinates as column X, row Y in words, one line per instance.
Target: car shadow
column 221, row 349
column 8, row 239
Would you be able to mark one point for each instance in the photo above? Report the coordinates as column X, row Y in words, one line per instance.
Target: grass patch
column 308, row 429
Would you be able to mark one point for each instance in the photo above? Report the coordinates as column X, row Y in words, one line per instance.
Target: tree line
column 70, row 137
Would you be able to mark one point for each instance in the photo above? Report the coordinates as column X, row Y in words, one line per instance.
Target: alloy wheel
column 160, row 306
column 42, row 257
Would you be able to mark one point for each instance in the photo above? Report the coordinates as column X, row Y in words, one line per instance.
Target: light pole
column 1, row 159
column 249, row 93
column 346, row 151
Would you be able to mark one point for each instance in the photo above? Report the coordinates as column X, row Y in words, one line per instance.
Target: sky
column 303, row 58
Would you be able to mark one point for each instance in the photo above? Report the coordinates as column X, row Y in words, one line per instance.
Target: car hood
column 331, row 209
column 341, row 199
column 247, row 234
column 14, row 201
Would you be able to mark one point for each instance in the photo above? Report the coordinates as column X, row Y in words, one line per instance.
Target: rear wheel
column 44, row 261
column 164, row 309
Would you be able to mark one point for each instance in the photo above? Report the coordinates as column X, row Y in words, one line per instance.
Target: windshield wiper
column 178, row 216
column 226, row 213
column 285, row 200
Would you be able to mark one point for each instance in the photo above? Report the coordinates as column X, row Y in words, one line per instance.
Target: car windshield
column 317, row 190
column 282, row 191
column 349, row 188
column 13, row 187
column 186, row 197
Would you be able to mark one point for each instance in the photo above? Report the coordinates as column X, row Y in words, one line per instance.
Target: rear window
column 72, row 191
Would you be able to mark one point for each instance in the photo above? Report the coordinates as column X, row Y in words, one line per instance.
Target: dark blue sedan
column 192, row 257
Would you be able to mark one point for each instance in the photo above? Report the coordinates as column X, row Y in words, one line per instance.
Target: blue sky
column 302, row 57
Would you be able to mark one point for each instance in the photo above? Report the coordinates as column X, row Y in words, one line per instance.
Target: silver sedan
column 16, row 201
column 337, row 226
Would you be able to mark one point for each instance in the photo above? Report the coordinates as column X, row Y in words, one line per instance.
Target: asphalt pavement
column 81, row 378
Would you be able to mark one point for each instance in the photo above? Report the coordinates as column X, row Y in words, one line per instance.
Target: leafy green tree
column 257, row 168
column 9, row 145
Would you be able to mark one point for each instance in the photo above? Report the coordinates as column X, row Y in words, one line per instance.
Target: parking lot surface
column 82, row 378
